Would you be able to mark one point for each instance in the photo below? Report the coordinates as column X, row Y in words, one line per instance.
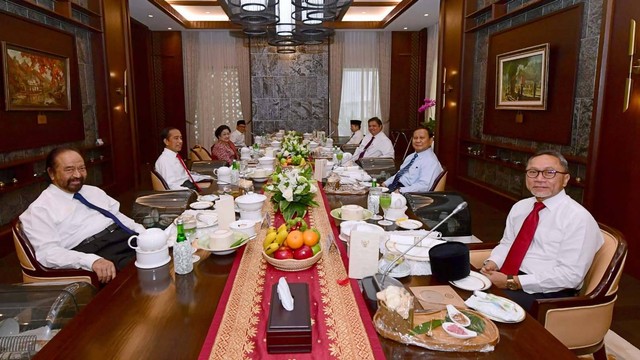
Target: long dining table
column 153, row 314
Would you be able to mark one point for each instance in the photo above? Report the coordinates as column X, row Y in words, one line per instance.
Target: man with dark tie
column 356, row 136
column 420, row 169
column 375, row 144
column 172, row 167
column 549, row 240
column 72, row 225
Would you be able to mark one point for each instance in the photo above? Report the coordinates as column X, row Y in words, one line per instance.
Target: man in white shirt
column 562, row 245
column 172, row 167
column 420, row 169
column 356, row 136
column 375, row 144
column 65, row 232
column 237, row 137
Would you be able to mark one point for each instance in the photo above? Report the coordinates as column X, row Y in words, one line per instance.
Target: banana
column 268, row 240
column 282, row 235
column 271, row 248
column 271, row 229
column 282, row 227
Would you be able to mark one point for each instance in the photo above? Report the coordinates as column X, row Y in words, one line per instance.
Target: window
column 359, row 100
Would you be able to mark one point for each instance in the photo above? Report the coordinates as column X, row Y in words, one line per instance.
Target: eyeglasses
column 547, row 174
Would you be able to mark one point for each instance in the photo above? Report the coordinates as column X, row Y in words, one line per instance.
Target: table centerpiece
column 295, row 150
column 293, row 190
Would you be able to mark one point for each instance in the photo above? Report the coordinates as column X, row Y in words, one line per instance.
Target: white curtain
column 213, row 77
column 365, row 71
column 431, row 75
column 335, row 78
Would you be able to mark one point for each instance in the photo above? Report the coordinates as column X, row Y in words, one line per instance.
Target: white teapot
column 398, row 201
column 223, row 173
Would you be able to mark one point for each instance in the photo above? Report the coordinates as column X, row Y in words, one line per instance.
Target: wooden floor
column 488, row 224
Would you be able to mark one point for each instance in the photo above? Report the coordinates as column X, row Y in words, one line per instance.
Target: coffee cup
column 220, row 239
column 150, row 240
column 352, row 212
column 223, row 174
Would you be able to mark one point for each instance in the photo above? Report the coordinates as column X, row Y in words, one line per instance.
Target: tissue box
column 290, row 331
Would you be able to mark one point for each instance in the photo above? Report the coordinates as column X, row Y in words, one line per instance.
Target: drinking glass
column 190, row 225
column 373, row 202
column 385, row 201
column 339, row 156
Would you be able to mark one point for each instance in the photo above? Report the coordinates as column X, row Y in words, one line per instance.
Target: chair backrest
column 207, row 167
column 157, row 181
column 33, row 271
column 605, row 272
column 375, row 165
column 199, row 153
column 440, row 182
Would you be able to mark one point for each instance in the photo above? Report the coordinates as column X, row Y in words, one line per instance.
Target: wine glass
column 385, row 201
column 339, row 156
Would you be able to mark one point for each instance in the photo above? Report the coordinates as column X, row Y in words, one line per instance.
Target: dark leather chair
column 440, row 182
column 33, row 271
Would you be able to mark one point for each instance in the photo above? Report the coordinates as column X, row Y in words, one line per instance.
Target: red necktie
column 188, row 172
column 522, row 242
column 365, row 148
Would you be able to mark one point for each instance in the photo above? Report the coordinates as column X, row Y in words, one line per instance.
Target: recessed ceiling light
column 150, row 15
column 207, row 12
column 405, row 28
column 169, row 28
column 426, row 14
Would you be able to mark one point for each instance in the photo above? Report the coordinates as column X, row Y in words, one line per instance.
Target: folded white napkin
column 494, row 306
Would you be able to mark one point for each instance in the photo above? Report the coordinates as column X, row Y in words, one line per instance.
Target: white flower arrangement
column 293, row 191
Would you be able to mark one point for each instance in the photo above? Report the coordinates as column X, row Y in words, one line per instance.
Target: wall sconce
column 633, row 69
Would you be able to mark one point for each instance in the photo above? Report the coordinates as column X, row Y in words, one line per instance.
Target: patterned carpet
column 618, row 348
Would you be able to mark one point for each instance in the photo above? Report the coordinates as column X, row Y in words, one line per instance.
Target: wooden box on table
column 290, row 331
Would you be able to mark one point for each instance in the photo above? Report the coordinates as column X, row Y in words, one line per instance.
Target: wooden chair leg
column 601, row 354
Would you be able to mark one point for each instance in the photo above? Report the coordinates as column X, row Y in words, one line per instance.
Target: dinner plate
column 210, row 197
column 337, row 214
column 201, row 205
column 475, row 281
column 227, row 251
column 409, row 224
column 418, row 253
column 506, row 302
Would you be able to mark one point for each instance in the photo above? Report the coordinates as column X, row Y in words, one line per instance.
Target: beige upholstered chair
column 198, row 153
column 33, row 271
column 581, row 322
column 440, row 182
column 157, row 182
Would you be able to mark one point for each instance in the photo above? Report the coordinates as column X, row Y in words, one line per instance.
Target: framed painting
column 522, row 78
column 35, row 80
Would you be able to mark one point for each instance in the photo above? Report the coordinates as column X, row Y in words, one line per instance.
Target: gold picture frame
column 522, row 78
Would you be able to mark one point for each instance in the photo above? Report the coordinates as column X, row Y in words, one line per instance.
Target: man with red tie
column 72, row 225
column 172, row 167
column 374, row 144
column 549, row 240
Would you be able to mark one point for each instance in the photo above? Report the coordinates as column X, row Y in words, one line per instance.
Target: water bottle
column 235, row 172
column 182, row 263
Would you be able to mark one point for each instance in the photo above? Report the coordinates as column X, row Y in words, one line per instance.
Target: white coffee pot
column 150, row 240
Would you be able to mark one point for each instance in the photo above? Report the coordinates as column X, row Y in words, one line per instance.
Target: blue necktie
column 104, row 212
column 396, row 179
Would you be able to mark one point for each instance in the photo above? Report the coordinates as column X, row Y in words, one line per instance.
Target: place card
column 318, row 174
column 225, row 209
column 364, row 248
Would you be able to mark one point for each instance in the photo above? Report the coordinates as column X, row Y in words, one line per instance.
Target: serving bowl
column 250, row 202
column 292, row 264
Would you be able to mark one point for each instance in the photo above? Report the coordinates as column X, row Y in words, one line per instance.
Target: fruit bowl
column 292, row 264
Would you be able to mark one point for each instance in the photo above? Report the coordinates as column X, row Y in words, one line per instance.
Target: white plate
column 418, row 253
column 337, row 214
column 395, row 218
column 201, row 205
column 475, row 281
column 518, row 308
column 343, row 238
column 409, row 224
column 385, row 223
column 153, row 266
column 237, row 236
column 260, row 179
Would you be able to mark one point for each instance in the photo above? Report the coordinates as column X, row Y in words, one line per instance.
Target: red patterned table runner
column 238, row 329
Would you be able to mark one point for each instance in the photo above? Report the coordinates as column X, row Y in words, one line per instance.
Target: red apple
column 304, row 252
column 283, row 252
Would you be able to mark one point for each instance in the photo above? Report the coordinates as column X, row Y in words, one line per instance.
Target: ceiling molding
column 403, row 6
column 166, row 8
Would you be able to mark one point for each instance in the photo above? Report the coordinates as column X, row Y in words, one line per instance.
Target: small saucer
column 376, row 217
column 151, row 266
column 385, row 223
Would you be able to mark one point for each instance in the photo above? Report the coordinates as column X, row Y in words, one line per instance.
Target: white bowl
column 352, row 212
column 394, row 214
column 250, row 202
column 244, row 226
column 266, row 161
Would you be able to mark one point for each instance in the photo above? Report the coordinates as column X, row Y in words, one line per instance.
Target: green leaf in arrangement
column 426, row 326
column 284, row 204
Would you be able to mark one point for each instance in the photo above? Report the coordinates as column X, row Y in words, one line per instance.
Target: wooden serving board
column 385, row 322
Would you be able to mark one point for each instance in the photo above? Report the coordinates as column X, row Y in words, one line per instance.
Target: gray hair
column 556, row 154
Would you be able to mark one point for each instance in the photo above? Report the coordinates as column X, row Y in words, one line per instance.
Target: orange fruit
column 294, row 239
column 310, row 237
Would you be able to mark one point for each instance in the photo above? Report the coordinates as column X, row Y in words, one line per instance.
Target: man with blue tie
column 72, row 225
column 420, row 169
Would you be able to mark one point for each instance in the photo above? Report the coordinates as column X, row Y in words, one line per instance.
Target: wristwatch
column 511, row 283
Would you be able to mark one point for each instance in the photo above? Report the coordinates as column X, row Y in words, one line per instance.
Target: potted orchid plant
column 429, row 122
column 293, row 191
